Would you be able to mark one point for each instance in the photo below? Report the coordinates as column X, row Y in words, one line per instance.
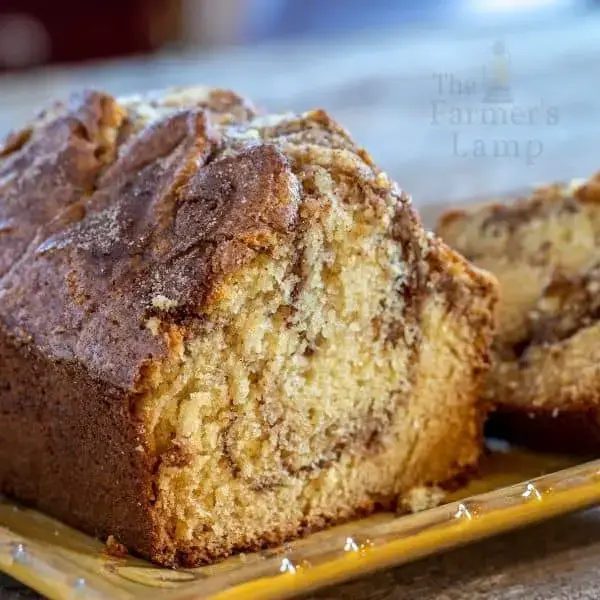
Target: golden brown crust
column 68, row 446
column 545, row 251
column 164, row 221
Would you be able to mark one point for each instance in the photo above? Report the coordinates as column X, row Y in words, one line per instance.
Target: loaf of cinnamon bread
column 220, row 330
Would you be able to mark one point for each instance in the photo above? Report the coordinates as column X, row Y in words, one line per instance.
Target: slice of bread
column 545, row 252
column 221, row 331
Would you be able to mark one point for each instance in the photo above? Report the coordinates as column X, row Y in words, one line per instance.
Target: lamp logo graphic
column 482, row 117
column 496, row 77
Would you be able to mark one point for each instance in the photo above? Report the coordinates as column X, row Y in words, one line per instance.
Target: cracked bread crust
column 545, row 252
column 120, row 233
column 179, row 260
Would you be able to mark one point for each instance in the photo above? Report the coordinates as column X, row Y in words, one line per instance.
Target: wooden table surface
column 416, row 100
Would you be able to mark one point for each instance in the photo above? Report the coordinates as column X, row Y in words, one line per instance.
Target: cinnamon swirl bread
column 220, row 330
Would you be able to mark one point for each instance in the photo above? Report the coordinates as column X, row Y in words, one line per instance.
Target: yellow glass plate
column 514, row 488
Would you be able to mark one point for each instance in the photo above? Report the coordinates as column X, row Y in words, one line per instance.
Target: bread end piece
column 545, row 252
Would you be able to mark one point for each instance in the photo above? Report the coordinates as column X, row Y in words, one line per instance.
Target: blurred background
column 407, row 77
column 39, row 32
